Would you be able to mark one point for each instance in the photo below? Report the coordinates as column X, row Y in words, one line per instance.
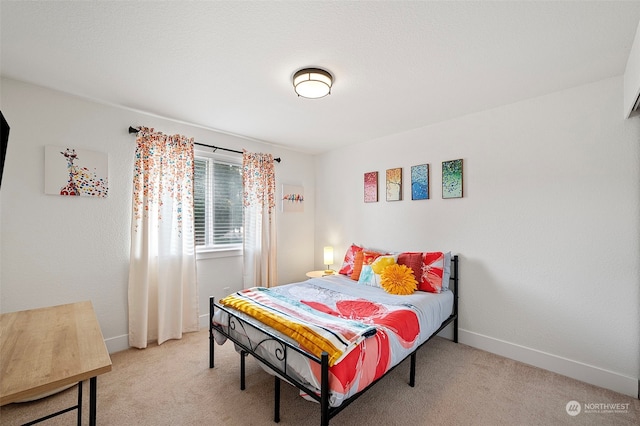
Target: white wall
column 59, row 250
column 547, row 231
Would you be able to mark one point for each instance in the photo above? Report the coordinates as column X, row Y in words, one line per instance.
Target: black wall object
column 4, row 139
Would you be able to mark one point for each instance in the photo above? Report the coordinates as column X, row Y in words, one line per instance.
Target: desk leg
column 93, row 398
column 79, row 403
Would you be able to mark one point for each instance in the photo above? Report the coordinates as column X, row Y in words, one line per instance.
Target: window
column 217, row 204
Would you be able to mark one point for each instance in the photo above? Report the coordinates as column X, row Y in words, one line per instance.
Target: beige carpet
column 171, row 384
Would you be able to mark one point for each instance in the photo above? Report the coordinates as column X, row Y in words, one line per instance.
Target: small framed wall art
column 394, row 184
column 420, row 182
column 75, row 172
column 452, row 179
column 292, row 198
column 371, row 187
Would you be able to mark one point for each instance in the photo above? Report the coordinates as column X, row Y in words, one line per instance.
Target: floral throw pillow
column 372, row 269
column 432, row 271
column 349, row 258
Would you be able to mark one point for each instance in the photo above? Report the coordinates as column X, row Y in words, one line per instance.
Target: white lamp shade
column 328, row 255
column 312, row 83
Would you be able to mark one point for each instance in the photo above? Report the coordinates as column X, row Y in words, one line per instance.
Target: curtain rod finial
column 133, row 129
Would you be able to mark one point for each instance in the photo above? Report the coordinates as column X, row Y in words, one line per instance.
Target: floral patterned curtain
column 259, row 183
column 163, row 292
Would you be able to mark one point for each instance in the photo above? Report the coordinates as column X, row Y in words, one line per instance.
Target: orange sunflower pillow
column 398, row 279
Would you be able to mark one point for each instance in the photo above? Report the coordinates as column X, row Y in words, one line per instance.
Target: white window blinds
column 217, row 203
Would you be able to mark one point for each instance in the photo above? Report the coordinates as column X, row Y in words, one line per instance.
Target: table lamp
column 328, row 259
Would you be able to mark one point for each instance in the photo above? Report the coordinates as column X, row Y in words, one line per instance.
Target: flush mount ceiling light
column 312, row 83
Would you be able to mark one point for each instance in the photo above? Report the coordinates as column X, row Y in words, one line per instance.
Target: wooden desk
column 45, row 349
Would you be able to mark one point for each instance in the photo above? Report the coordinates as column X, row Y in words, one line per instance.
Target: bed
column 348, row 338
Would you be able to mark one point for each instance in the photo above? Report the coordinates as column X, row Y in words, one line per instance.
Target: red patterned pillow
column 413, row 260
column 349, row 258
column 432, row 271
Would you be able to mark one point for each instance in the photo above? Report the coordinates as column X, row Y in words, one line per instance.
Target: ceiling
column 227, row 65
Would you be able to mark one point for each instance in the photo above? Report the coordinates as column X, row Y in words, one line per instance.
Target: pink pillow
column 413, row 260
column 432, row 271
column 349, row 258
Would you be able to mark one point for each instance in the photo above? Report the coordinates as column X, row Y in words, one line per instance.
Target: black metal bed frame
column 283, row 347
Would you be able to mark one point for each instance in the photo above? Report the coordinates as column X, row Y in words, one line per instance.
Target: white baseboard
column 121, row 343
column 574, row 369
column 117, row 344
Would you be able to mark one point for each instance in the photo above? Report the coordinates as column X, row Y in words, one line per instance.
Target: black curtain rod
column 215, row 148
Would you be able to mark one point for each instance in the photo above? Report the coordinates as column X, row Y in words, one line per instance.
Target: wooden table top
column 320, row 273
column 44, row 349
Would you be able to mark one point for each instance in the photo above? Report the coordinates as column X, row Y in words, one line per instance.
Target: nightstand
column 321, row 273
